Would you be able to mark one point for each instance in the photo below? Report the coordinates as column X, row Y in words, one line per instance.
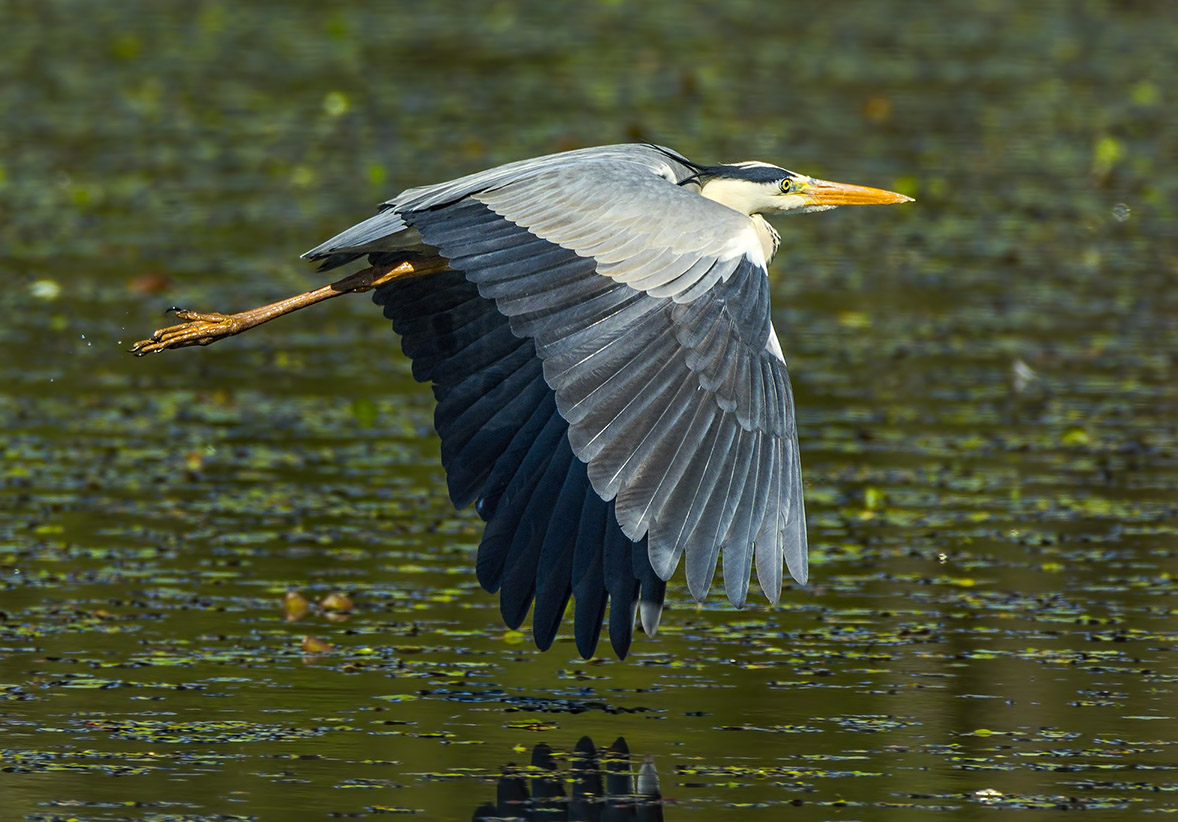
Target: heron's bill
column 825, row 192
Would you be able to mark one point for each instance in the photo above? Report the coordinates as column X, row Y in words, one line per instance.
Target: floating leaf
column 294, row 606
column 315, row 645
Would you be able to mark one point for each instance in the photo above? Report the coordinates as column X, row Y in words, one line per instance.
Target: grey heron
column 611, row 393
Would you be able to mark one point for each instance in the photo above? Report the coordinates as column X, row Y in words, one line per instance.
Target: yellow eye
column 787, row 185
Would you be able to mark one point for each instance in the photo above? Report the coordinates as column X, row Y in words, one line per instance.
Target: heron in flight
column 611, row 393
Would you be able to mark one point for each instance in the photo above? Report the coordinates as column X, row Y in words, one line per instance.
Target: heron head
column 761, row 188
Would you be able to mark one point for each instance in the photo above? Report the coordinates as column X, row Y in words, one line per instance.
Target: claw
column 195, row 329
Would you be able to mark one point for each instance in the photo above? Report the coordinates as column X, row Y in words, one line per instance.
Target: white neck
column 736, row 194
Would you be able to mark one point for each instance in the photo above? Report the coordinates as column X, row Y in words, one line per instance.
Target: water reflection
column 599, row 786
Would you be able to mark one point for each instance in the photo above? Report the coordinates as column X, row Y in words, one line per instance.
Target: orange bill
column 825, row 192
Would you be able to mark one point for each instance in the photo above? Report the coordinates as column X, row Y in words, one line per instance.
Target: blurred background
column 985, row 382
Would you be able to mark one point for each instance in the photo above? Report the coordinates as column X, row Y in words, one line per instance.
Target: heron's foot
column 196, row 329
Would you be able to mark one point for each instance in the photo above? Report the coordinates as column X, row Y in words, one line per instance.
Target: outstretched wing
column 647, row 308
column 549, row 535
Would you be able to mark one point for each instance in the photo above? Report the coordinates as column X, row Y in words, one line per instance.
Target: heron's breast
column 768, row 236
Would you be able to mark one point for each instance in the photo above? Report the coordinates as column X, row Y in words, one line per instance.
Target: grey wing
column 388, row 231
column 661, row 355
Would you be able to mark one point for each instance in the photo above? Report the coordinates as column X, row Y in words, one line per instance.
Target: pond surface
column 985, row 380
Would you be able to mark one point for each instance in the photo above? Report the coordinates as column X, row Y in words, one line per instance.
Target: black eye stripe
column 753, row 173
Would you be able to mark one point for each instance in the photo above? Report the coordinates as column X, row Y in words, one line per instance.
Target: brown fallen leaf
column 294, row 606
column 336, row 602
column 315, row 645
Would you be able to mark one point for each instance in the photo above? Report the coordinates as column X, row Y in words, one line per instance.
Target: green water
column 985, row 380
